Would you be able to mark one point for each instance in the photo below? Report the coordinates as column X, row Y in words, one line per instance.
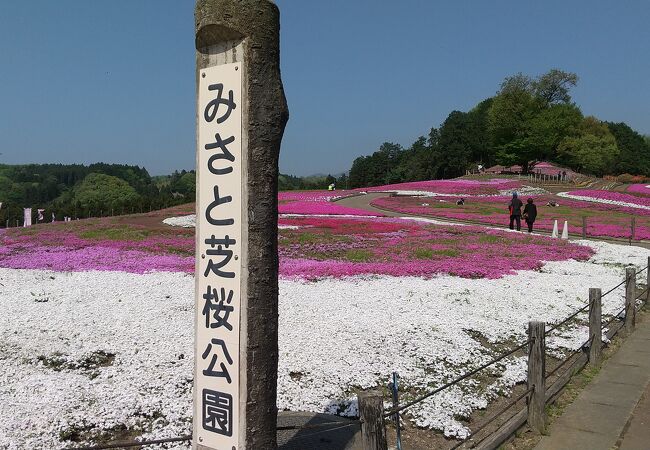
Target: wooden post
column 241, row 115
column 536, row 376
column 647, row 285
column 630, row 293
column 595, row 320
column 584, row 227
column 373, row 428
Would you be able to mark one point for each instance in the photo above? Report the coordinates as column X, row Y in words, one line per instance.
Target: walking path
column 613, row 411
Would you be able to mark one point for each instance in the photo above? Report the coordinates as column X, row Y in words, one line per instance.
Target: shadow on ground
column 332, row 437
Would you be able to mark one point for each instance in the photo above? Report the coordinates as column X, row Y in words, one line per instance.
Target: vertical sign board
column 27, row 217
column 218, row 268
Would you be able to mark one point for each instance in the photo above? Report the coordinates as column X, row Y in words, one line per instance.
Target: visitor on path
column 530, row 214
column 515, row 211
column 461, row 202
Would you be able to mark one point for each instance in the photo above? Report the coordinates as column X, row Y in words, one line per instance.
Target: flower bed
column 607, row 220
column 639, row 189
column 609, row 197
column 336, row 247
column 457, row 187
column 316, row 202
column 309, row 248
column 97, row 244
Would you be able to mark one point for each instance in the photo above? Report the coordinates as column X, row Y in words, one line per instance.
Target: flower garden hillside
column 361, row 296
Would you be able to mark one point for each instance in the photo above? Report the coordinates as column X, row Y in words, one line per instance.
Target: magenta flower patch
column 317, row 202
column 337, row 247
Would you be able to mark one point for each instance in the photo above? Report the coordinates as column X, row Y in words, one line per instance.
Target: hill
column 77, row 190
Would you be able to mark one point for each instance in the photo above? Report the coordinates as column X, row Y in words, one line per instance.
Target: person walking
column 530, row 214
column 515, row 211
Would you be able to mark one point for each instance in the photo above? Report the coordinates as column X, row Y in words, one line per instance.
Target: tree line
column 528, row 120
column 81, row 191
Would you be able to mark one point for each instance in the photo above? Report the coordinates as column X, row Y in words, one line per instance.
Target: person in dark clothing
column 515, row 211
column 530, row 214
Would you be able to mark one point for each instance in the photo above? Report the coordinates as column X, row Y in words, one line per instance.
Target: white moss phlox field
column 336, row 335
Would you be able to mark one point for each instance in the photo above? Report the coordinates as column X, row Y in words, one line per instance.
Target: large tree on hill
column 634, row 155
column 529, row 117
column 593, row 150
column 553, row 87
column 548, row 128
column 509, row 117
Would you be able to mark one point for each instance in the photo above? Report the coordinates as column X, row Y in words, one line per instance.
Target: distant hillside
column 77, row 190
column 293, row 183
column 529, row 119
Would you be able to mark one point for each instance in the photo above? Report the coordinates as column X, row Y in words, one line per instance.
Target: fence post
column 373, row 428
column 536, row 376
column 595, row 319
column 395, row 389
column 584, row 227
column 630, row 291
column 647, row 285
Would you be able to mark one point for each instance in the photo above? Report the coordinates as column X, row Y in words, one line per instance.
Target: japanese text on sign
column 219, row 231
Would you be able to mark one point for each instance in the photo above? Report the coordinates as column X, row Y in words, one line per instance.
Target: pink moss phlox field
column 614, row 196
column 316, row 202
column 310, row 248
column 96, row 245
column 639, row 189
column 337, row 247
column 602, row 219
column 459, row 186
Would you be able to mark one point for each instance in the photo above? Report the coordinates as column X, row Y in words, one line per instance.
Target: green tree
column 186, row 185
column 99, row 191
column 553, row 87
column 455, row 145
column 593, row 150
column 375, row 170
column 634, row 150
column 509, row 119
column 481, row 148
column 547, row 129
column 530, row 117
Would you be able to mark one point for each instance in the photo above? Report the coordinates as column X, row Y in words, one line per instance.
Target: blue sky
column 113, row 81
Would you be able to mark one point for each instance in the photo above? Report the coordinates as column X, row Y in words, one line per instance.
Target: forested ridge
column 529, row 119
column 77, row 190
